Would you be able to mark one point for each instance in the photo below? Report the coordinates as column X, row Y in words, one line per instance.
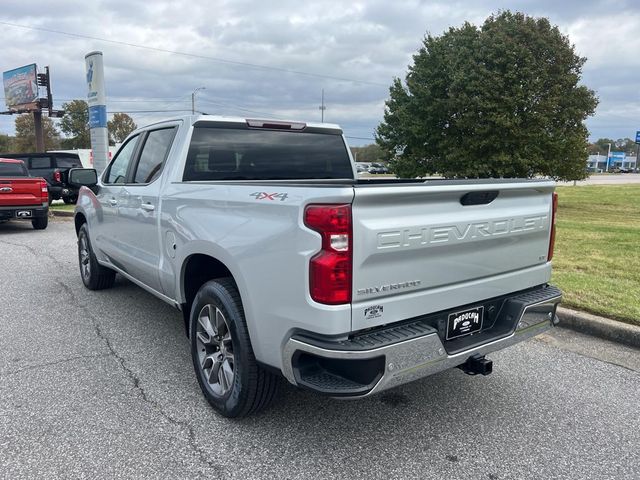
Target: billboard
column 21, row 88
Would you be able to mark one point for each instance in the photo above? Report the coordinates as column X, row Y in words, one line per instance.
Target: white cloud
column 367, row 40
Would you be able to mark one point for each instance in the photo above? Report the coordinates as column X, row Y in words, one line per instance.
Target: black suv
column 53, row 167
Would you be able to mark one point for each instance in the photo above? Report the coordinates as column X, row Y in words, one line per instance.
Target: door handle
column 148, row 207
column 113, row 202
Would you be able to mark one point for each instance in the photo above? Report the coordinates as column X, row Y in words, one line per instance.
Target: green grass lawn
column 63, row 206
column 597, row 253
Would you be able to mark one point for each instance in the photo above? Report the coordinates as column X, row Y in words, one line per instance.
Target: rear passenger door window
column 119, row 167
column 154, row 153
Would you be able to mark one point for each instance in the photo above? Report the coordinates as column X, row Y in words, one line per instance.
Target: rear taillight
column 552, row 237
column 44, row 192
column 57, row 176
column 330, row 269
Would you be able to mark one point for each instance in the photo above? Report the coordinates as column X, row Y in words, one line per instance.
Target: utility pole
column 193, row 100
column 322, row 108
column 608, row 156
column 37, row 123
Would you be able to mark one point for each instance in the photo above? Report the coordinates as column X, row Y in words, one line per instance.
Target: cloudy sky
column 271, row 59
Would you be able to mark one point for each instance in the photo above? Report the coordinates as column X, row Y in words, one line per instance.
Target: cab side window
column 154, row 153
column 39, row 163
column 120, row 165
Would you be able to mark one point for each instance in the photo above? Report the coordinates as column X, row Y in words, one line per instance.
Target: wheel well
column 79, row 221
column 198, row 270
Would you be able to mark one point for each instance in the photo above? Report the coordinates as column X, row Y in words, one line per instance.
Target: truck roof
column 191, row 119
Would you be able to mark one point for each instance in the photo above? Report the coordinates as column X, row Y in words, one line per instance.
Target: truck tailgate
column 18, row 192
column 428, row 247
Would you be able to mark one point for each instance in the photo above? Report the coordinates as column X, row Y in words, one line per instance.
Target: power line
column 194, row 55
column 360, row 138
column 152, row 111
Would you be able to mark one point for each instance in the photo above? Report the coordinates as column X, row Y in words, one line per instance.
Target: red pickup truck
column 22, row 197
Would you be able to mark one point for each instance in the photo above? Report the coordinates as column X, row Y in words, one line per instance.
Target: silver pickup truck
column 285, row 263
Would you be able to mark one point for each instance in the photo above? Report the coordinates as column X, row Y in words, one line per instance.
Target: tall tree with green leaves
column 75, row 124
column 120, row 126
column 367, row 153
column 25, row 139
column 502, row 100
column 6, row 143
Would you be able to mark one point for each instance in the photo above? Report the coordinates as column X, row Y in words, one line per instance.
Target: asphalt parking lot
column 100, row 385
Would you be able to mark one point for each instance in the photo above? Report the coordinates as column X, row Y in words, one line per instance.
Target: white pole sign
column 97, row 101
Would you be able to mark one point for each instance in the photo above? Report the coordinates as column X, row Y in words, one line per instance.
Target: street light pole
column 193, row 99
column 322, row 107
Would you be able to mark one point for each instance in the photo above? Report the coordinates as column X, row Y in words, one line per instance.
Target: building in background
column 617, row 160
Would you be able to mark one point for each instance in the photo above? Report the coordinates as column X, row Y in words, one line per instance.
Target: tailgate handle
column 479, row 198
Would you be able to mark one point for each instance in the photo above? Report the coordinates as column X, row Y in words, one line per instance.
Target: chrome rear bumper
column 404, row 361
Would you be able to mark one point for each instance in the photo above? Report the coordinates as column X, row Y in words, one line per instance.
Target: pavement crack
column 49, row 364
column 34, row 252
column 145, row 397
column 182, row 424
column 135, row 379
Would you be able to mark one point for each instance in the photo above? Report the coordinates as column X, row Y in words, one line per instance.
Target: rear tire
column 94, row 276
column 225, row 365
column 40, row 223
column 69, row 200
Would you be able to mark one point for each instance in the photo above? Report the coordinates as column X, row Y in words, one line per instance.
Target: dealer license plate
column 464, row 322
column 24, row 213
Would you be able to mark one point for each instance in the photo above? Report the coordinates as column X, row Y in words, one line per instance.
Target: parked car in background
column 360, row 168
column 22, row 197
column 378, row 168
column 54, row 168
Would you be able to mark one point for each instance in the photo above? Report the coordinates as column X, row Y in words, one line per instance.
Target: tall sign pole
column 322, row 108
column 97, row 101
column 637, row 165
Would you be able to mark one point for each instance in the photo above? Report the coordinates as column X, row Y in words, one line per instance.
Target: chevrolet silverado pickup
column 22, row 197
column 285, row 263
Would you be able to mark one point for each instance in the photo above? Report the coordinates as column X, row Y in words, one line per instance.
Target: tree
column 601, row 146
column 120, row 126
column 6, row 143
column 502, row 100
column 25, row 139
column 368, row 153
column 75, row 124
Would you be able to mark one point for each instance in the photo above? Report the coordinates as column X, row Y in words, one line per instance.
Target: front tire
column 94, row 276
column 227, row 371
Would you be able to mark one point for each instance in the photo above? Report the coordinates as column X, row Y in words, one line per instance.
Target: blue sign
column 638, row 136
column 97, row 116
column 616, row 157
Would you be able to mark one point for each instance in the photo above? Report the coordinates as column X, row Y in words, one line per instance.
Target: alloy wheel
column 215, row 350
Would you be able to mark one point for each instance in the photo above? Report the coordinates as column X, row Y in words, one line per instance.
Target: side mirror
column 83, row 177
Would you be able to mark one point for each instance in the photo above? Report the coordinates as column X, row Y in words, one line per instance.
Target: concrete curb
column 61, row 213
column 599, row 327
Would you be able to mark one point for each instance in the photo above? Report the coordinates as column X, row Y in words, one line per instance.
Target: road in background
column 100, row 384
column 611, row 179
